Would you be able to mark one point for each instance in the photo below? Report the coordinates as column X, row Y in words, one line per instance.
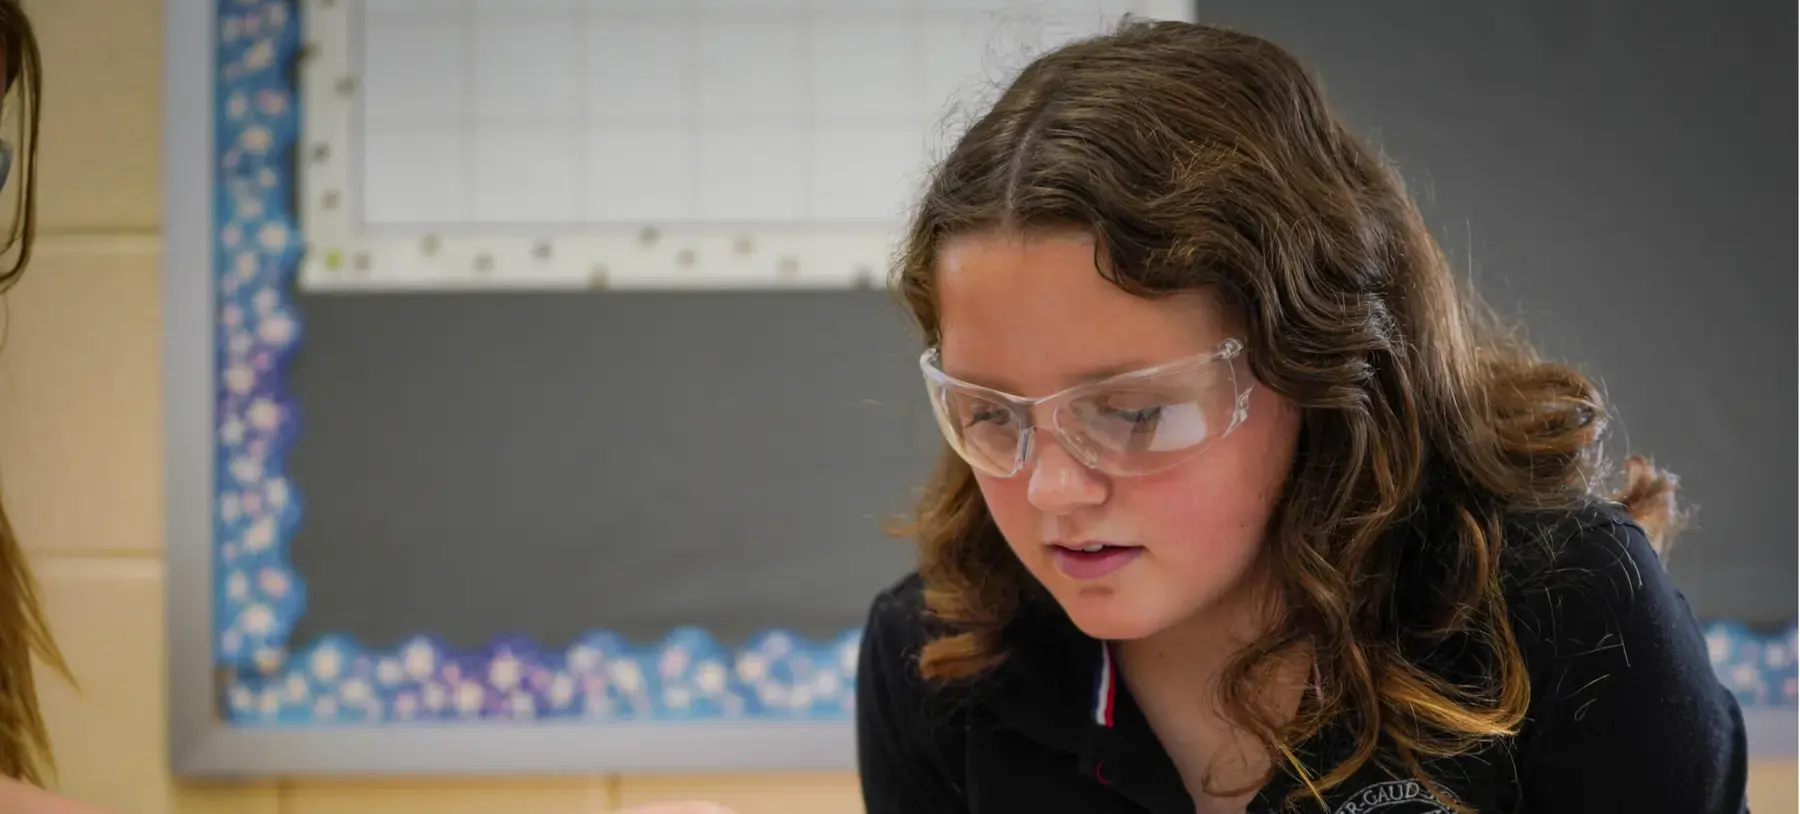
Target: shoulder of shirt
column 898, row 628
column 1596, row 543
column 898, row 612
column 1577, row 581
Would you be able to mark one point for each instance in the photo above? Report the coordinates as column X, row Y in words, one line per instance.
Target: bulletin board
column 558, row 402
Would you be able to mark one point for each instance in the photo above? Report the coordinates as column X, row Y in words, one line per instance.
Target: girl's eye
column 1134, row 407
column 985, row 412
column 1138, row 415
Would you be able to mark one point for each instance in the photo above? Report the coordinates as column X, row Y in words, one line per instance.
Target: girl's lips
column 1092, row 560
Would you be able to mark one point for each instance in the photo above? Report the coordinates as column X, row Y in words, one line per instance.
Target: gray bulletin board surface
column 546, row 464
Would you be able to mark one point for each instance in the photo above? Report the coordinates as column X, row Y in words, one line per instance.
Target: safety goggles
column 1135, row 423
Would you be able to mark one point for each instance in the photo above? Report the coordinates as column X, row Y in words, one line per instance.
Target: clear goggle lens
column 1136, row 423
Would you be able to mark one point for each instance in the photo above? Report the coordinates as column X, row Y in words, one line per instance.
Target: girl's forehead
column 1034, row 315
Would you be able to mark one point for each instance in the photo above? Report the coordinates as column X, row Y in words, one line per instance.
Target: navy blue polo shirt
column 1626, row 713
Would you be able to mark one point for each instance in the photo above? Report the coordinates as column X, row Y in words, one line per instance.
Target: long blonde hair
column 24, row 632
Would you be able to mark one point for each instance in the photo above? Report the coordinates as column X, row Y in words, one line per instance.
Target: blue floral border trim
column 254, row 330
column 1759, row 669
column 776, row 676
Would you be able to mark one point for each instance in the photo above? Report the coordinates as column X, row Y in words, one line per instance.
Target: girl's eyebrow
column 1104, row 372
column 1088, row 375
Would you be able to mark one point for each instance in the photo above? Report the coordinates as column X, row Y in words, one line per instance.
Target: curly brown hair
column 1201, row 158
column 24, row 632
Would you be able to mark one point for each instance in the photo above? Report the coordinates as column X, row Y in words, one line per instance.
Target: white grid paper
column 705, row 143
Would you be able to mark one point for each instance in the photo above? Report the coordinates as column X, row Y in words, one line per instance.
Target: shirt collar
column 1106, row 684
column 1063, row 688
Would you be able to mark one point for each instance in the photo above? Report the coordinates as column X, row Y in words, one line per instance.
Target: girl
column 1246, row 506
column 25, row 763
column 24, row 743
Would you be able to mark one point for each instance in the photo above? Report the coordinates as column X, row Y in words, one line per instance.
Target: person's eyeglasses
column 6, row 159
column 1135, row 423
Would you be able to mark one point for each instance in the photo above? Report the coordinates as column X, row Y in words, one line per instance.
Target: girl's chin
column 1109, row 619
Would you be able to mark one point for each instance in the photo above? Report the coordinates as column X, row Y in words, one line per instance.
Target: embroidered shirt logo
column 1392, row 797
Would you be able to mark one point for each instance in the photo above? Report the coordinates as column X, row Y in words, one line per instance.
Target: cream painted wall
column 80, row 416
